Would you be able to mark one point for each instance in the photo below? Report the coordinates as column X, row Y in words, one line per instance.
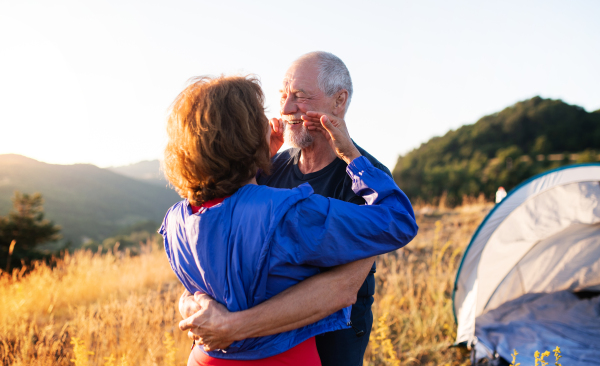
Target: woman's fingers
column 332, row 131
column 338, row 136
column 317, row 127
column 276, row 125
column 314, row 114
column 312, row 122
column 316, row 118
column 276, row 141
column 313, row 125
column 308, row 118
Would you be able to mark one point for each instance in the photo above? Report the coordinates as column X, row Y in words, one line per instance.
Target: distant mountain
column 501, row 149
column 147, row 171
column 86, row 201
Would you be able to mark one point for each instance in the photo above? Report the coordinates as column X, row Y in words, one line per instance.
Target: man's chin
column 300, row 142
column 299, row 145
column 297, row 136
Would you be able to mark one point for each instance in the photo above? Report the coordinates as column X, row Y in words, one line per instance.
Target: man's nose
column 288, row 107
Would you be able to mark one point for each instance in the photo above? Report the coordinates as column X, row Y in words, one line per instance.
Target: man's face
column 300, row 93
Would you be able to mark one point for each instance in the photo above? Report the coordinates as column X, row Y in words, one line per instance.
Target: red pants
column 304, row 354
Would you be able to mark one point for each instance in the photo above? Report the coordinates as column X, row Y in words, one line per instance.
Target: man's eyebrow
column 293, row 91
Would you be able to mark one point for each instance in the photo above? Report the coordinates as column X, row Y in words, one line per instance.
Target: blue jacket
column 262, row 240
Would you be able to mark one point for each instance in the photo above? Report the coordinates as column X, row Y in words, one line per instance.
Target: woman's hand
column 276, row 139
column 335, row 131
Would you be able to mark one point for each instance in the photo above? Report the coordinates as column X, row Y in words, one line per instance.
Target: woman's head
column 217, row 133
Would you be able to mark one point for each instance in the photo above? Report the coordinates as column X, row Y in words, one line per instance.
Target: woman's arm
column 326, row 232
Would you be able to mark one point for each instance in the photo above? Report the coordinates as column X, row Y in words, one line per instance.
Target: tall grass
column 92, row 309
column 413, row 305
column 115, row 309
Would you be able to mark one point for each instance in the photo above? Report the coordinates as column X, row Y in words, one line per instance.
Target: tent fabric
column 551, row 267
column 540, row 322
column 541, row 207
column 540, row 217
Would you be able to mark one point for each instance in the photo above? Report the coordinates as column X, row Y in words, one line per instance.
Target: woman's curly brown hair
column 217, row 137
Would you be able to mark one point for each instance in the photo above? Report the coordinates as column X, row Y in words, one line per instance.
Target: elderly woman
column 242, row 243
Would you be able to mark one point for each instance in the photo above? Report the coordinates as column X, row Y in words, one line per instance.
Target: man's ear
column 339, row 106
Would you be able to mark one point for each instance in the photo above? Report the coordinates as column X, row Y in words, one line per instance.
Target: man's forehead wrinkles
column 291, row 89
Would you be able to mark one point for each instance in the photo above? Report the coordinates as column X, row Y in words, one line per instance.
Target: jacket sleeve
column 326, row 232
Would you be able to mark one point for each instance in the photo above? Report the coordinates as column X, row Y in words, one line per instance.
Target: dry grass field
column 413, row 320
column 117, row 309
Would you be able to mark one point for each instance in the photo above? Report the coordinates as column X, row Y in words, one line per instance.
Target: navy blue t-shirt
column 343, row 347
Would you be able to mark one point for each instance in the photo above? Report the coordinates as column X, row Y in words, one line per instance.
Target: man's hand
column 277, row 129
column 209, row 325
column 335, row 131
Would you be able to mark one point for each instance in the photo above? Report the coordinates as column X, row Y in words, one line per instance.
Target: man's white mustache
column 292, row 121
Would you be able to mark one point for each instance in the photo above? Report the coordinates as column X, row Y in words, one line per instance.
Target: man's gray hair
column 333, row 74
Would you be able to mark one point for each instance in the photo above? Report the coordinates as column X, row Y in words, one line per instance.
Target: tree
column 501, row 149
column 25, row 224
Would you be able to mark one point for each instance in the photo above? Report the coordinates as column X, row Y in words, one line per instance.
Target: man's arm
column 302, row 304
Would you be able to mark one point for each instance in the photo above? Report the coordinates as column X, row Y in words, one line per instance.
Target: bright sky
column 90, row 81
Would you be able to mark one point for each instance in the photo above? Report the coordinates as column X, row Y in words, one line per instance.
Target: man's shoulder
column 376, row 163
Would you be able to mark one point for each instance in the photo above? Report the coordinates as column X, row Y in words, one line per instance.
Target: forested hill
column 86, row 201
column 501, row 149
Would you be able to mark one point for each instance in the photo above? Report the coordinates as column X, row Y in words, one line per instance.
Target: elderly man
column 317, row 81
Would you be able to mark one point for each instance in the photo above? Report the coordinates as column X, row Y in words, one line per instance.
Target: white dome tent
column 521, row 279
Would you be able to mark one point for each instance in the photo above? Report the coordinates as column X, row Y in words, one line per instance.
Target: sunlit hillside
column 146, row 171
column 86, row 201
column 117, row 309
